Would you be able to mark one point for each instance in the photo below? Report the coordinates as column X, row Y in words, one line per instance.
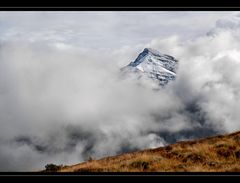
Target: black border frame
column 121, row 5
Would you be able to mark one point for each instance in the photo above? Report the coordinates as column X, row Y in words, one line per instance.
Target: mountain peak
column 152, row 51
column 155, row 65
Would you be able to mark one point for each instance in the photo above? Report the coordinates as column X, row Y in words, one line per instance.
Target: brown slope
column 213, row 154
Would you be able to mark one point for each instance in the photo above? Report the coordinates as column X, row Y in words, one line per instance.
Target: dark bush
column 224, row 153
column 168, row 148
column 195, row 158
column 140, row 164
column 52, row 167
column 237, row 154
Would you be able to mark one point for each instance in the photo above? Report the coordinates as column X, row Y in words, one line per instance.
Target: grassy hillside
column 213, row 154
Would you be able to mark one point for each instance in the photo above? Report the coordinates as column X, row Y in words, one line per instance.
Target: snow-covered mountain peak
column 160, row 67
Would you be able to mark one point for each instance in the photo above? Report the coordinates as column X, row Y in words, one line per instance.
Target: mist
column 61, row 104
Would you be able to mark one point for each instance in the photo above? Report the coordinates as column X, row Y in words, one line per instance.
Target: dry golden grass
column 214, row 154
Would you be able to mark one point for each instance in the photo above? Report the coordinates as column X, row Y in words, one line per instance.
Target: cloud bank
column 62, row 104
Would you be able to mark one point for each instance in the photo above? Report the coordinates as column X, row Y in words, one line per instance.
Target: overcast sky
column 96, row 30
column 62, row 100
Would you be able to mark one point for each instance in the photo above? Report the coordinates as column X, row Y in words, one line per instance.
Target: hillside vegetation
column 213, row 154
